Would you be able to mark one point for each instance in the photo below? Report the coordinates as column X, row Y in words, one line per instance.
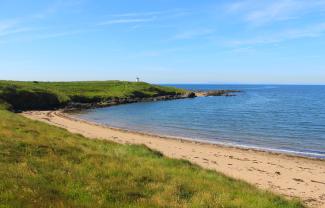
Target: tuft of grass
column 49, row 95
column 45, row 166
column 4, row 105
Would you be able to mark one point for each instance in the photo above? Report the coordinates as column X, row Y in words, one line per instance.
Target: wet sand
column 291, row 176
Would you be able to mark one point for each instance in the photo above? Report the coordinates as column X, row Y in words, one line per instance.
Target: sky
column 164, row 41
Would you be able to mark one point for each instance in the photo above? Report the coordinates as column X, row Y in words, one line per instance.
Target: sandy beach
column 291, row 176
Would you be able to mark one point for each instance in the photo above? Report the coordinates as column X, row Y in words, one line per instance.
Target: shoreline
column 77, row 106
column 287, row 174
column 288, row 153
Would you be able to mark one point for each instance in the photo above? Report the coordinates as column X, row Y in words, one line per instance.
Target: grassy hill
column 45, row 166
column 49, row 95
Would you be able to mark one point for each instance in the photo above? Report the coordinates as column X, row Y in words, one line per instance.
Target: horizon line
column 176, row 83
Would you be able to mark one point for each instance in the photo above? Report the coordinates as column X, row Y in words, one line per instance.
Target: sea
column 279, row 118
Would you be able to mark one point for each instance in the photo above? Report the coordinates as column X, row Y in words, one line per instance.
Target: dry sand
column 291, row 176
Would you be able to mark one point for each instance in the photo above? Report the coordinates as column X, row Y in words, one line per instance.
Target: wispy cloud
column 143, row 17
column 312, row 31
column 57, row 6
column 45, row 34
column 26, row 24
column 265, row 17
column 159, row 52
column 4, row 25
column 15, row 31
column 126, row 21
column 57, row 34
column 139, row 14
column 167, row 13
column 260, row 12
column 190, row 34
column 11, row 27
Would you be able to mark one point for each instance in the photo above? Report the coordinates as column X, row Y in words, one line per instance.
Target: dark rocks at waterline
column 190, row 95
column 216, row 93
column 119, row 101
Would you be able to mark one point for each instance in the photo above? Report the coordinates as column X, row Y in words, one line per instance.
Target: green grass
column 49, row 95
column 45, row 166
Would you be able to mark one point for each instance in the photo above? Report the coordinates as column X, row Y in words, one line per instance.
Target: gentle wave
column 284, row 119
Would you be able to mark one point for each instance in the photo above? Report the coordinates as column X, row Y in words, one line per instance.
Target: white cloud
column 260, row 12
column 274, row 12
column 264, row 16
column 7, row 24
column 57, row 6
column 139, row 14
column 142, row 17
column 127, row 21
column 312, row 31
column 24, row 24
column 11, row 27
column 14, row 31
column 189, row 34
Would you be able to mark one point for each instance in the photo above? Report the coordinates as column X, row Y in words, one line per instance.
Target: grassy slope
column 47, row 95
column 45, row 166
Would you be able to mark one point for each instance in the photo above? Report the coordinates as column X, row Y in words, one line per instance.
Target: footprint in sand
column 298, row 179
column 317, row 182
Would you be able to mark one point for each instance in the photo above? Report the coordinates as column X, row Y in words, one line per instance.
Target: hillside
column 51, row 95
column 45, row 166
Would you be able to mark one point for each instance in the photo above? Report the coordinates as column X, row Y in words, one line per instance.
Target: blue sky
column 164, row 41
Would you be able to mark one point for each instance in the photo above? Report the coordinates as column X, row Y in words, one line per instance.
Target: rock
column 216, row 93
column 191, row 95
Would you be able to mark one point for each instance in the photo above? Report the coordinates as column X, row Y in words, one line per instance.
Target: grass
column 49, row 95
column 45, row 166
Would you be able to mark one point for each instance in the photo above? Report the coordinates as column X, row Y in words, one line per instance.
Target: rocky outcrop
column 216, row 93
column 119, row 101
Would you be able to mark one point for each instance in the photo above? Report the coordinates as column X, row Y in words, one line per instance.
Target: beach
column 288, row 175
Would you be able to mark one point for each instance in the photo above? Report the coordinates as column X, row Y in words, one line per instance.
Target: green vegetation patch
column 4, row 105
column 49, row 95
column 45, row 166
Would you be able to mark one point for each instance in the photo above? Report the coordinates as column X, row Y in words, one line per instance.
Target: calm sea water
column 277, row 118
